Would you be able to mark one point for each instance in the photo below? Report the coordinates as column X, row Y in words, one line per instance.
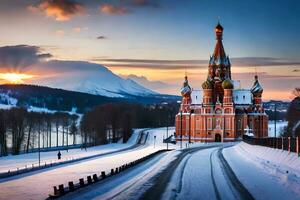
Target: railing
column 290, row 144
column 61, row 190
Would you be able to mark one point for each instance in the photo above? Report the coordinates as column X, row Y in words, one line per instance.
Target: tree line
column 106, row 123
column 120, row 118
column 293, row 116
column 28, row 130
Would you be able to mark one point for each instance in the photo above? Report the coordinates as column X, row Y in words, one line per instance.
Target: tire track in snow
column 238, row 186
column 162, row 179
column 217, row 193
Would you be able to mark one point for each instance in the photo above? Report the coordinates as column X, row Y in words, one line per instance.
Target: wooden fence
column 290, row 144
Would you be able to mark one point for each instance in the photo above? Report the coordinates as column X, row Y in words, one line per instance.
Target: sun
column 14, row 78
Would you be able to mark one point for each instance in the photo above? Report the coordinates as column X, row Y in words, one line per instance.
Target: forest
column 22, row 131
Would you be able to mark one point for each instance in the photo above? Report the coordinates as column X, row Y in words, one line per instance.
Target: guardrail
column 62, row 190
column 46, row 164
column 290, row 144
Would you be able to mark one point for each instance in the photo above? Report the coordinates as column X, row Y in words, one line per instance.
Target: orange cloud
column 113, row 10
column 60, row 10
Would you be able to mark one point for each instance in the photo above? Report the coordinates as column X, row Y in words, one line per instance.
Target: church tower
column 219, row 65
column 186, row 96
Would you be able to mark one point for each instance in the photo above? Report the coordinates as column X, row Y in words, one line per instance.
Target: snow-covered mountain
column 89, row 78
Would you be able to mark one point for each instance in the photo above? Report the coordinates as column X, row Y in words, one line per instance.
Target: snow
column 24, row 186
column 128, row 185
column 12, row 163
column 279, row 128
column 194, row 176
column 267, row 173
column 89, row 78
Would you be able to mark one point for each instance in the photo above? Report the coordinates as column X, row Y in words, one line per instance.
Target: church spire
column 219, row 63
column 219, row 51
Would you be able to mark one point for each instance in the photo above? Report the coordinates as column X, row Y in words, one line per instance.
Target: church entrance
column 217, row 137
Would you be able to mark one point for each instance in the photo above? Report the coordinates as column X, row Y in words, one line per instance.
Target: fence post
column 95, row 177
column 55, row 190
column 61, row 189
column 297, row 145
column 71, row 186
column 281, row 143
column 103, row 176
column 81, row 182
column 89, row 179
column 289, row 138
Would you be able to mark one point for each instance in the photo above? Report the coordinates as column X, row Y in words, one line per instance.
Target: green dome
column 226, row 84
column 207, row 85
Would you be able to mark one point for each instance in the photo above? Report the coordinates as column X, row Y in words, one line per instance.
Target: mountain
column 87, row 77
column 46, row 98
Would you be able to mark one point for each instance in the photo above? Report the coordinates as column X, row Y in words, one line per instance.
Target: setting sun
column 14, row 78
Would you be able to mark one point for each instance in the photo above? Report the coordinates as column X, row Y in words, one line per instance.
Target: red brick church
column 221, row 111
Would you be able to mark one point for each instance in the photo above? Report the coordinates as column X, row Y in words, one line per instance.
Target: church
column 222, row 111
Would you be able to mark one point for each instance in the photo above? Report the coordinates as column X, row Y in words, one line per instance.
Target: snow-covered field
column 267, row 173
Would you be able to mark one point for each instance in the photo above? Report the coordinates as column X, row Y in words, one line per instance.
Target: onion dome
column 207, row 85
column 227, row 84
column 186, row 89
column 219, row 28
column 256, row 88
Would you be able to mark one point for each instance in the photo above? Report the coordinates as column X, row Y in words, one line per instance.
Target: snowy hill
column 88, row 78
column 46, row 98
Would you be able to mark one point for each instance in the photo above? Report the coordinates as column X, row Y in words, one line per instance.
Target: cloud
column 21, row 56
column 77, row 29
column 146, row 3
column 101, row 37
column 60, row 10
column 194, row 64
column 60, row 32
column 113, row 9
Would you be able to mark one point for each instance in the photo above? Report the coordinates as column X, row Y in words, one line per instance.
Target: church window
column 239, row 124
column 227, row 124
column 198, row 123
column 209, row 124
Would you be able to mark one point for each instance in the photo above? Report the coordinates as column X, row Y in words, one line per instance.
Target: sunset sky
column 154, row 41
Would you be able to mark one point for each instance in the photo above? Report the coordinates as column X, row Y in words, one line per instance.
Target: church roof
column 186, row 89
column 219, row 61
column 256, row 88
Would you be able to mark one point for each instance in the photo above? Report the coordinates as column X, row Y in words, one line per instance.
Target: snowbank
column 267, row 173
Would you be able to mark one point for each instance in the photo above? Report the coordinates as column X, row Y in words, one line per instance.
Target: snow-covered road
column 37, row 185
column 14, row 162
column 205, row 171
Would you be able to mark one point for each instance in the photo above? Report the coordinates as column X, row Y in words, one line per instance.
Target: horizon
column 153, row 43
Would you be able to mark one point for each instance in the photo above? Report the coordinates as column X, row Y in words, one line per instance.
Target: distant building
column 221, row 111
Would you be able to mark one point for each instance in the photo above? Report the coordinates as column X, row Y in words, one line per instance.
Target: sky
column 155, row 42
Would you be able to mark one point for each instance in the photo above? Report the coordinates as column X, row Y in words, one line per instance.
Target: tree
column 16, row 118
column 73, row 127
column 31, row 122
column 3, row 145
column 293, row 115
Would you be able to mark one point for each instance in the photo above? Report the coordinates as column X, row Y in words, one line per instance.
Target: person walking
column 59, row 155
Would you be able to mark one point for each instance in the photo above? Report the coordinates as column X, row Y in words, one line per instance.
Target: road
column 38, row 184
column 183, row 174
